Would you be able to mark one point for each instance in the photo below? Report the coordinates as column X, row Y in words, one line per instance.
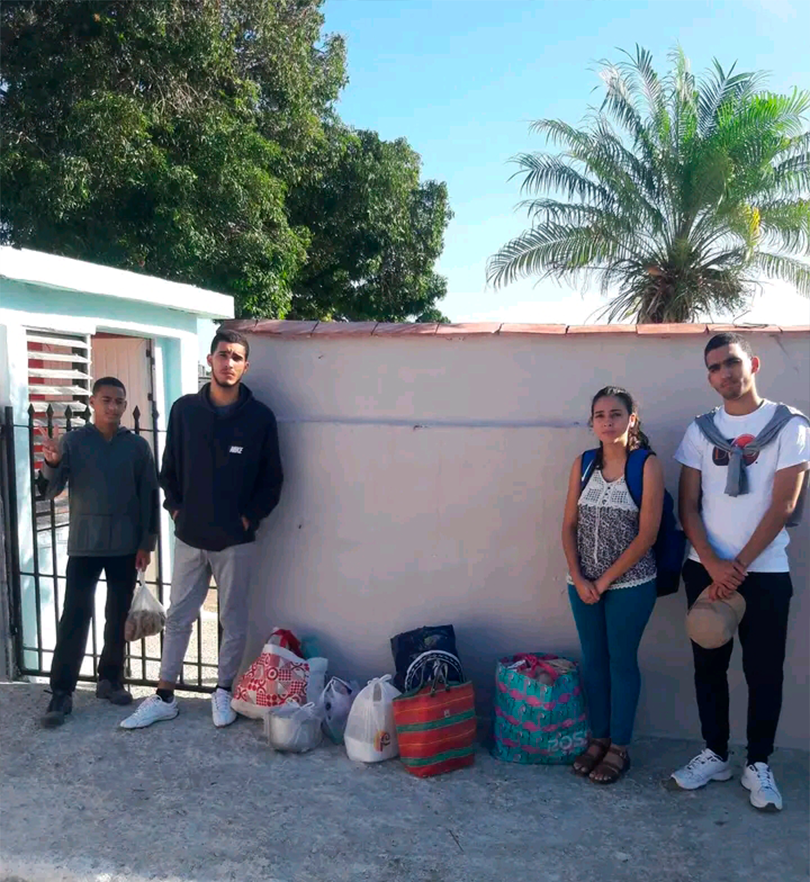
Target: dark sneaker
column 60, row 706
column 113, row 692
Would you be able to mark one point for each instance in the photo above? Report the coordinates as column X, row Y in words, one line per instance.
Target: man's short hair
column 728, row 339
column 109, row 381
column 228, row 336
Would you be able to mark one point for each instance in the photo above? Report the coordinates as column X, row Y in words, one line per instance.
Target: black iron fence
column 36, row 543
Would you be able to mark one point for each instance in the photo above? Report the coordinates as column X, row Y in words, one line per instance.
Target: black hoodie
column 219, row 468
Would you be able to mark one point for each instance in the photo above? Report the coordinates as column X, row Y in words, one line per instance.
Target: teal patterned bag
column 536, row 721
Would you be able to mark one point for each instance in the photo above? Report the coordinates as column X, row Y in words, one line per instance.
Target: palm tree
column 677, row 195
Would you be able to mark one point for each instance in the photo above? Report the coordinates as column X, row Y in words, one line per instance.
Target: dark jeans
column 763, row 636
column 82, row 577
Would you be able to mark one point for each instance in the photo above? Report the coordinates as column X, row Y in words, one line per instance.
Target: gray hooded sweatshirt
column 113, row 492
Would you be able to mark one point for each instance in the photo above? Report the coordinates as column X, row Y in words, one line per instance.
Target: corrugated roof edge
column 297, row 329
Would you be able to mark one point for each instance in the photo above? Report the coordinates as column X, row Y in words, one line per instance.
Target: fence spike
column 136, row 416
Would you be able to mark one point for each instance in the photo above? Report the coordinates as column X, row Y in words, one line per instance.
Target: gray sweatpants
column 191, row 578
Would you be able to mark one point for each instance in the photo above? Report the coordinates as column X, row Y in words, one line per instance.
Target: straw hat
column 712, row 624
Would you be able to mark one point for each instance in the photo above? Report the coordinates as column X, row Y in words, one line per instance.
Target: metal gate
column 36, row 532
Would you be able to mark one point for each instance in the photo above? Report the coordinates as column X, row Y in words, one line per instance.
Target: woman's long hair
column 636, row 439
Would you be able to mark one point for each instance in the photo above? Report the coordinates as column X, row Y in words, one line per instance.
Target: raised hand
column 51, row 448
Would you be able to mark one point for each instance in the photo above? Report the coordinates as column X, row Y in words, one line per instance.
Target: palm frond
column 673, row 195
column 563, row 250
column 786, row 225
column 542, row 171
column 720, row 89
column 786, row 269
column 605, row 158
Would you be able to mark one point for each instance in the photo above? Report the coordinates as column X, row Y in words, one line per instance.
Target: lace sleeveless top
column 607, row 524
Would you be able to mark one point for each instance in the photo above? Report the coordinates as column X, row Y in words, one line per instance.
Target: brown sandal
column 590, row 758
column 611, row 771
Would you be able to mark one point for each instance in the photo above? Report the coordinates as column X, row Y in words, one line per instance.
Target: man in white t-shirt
column 739, row 543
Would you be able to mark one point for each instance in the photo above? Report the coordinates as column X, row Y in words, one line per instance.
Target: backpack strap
column 634, row 473
column 588, row 465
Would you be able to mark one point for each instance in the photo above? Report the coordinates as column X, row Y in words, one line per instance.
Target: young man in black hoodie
column 113, row 528
column 221, row 474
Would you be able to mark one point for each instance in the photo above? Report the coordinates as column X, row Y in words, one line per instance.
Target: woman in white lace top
column 611, row 576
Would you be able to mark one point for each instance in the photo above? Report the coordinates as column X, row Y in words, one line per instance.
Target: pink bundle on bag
column 543, row 668
column 276, row 677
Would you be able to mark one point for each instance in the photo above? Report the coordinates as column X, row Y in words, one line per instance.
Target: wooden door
column 128, row 359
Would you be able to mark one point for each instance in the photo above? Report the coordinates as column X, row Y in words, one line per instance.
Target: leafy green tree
column 678, row 195
column 376, row 234
column 178, row 138
column 130, row 139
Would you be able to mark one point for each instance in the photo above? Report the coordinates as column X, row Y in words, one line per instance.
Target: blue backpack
column 670, row 546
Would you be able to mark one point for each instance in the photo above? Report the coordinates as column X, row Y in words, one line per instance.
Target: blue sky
column 462, row 80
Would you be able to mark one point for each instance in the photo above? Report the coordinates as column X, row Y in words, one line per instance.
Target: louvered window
column 58, row 378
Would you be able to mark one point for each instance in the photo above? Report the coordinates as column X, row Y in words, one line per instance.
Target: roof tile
column 467, row 329
column 670, row 330
column 602, row 329
column 796, row 329
column 297, row 329
column 405, row 329
column 245, row 326
column 519, row 328
column 744, row 329
column 344, row 329
column 281, row 328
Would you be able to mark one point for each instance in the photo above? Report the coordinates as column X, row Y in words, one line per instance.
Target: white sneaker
column 698, row 772
column 221, row 709
column 758, row 781
column 151, row 710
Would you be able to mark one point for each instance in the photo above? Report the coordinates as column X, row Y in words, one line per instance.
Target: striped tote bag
column 436, row 727
column 539, row 710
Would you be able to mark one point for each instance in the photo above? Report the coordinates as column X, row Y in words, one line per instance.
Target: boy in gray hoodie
column 113, row 527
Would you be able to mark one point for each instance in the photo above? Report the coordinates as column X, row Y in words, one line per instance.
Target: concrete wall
column 425, row 481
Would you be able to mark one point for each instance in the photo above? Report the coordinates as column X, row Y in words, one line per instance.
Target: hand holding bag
column 146, row 616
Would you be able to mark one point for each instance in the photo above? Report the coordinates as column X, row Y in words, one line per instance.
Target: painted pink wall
column 425, row 480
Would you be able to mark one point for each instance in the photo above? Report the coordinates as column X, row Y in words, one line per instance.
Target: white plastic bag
column 336, row 700
column 293, row 728
column 317, row 678
column 146, row 615
column 370, row 735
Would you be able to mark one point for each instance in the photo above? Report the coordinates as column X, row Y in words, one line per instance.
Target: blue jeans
column 610, row 633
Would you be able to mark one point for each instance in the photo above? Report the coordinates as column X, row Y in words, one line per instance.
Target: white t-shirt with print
column 731, row 520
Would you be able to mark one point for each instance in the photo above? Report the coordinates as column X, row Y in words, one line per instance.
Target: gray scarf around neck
column 737, row 479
